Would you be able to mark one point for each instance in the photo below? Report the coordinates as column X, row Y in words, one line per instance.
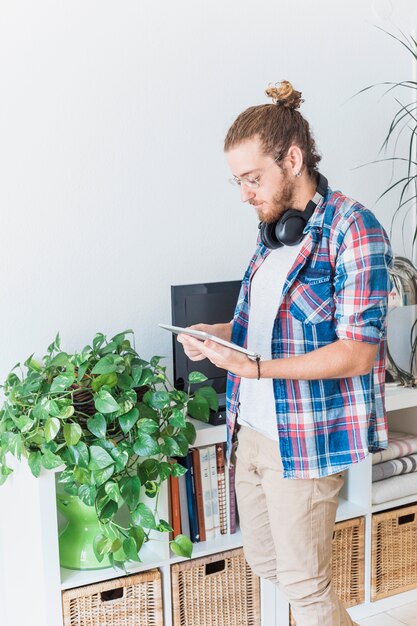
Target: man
column 313, row 303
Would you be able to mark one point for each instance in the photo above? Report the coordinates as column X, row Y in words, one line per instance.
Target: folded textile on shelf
column 402, row 465
column 394, row 488
column 399, row 445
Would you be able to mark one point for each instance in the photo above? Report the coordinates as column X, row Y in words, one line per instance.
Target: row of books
column 203, row 500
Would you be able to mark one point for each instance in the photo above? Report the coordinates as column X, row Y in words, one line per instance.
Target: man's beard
column 282, row 200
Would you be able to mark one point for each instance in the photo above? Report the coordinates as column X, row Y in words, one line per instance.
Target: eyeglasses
column 252, row 182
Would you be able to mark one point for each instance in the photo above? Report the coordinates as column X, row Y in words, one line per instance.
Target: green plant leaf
column 125, row 381
column 146, row 377
column 87, row 494
column 34, row 462
column 60, row 360
column 13, row 443
column 82, row 368
column 99, row 459
column 143, row 516
column 199, row 408
column 152, row 488
column 196, row 377
column 169, row 446
column 121, row 458
column 82, row 476
column 147, row 425
column 100, row 476
column 104, row 379
column 182, row 546
column 136, row 373
column 130, row 491
column 157, row 399
column 138, row 535
column 210, row 395
column 190, row 433
column 178, row 469
column 62, row 382
column 164, row 527
column 52, row 426
column 128, row 420
column 108, row 510
column 112, row 490
column 101, row 546
column 105, row 403
column 72, row 433
column 130, row 549
column 177, row 420
column 145, row 445
column 106, row 365
column 148, row 470
column 39, row 412
column 97, row 425
column 50, row 460
column 165, row 470
column 182, row 443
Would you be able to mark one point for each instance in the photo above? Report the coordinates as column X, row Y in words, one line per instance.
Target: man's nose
column 246, row 193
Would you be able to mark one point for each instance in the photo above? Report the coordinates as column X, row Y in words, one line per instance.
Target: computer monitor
column 207, row 303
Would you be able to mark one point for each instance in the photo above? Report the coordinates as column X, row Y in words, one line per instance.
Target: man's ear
column 295, row 158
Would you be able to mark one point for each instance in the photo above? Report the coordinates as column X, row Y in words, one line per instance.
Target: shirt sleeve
column 362, row 281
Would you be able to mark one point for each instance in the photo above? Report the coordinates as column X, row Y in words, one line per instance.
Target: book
column 198, row 493
column 214, row 489
column 206, row 492
column 187, row 462
column 232, row 500
column 221, row 487
column 185, row 522
column 175, row 505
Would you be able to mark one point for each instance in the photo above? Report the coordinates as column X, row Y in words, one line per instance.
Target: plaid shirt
column 336, row 289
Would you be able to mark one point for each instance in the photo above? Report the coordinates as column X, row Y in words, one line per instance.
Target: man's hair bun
column 284, row 94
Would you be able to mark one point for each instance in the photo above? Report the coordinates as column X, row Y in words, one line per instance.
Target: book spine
column 198, row 493
column 185, row 522
column 232, row 500
column 206, row 489
column 192, row 506
column 175, row 506
column 221, row 486
column 214, row 490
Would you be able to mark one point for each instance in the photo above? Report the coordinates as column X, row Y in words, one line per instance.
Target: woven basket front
column 218, row 590
column 348, row 562
column 394, row 552
column 129, row 601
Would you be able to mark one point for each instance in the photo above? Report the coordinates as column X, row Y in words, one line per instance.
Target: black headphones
column 288, row 229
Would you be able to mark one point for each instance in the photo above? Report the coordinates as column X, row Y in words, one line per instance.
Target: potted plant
column 114, row 423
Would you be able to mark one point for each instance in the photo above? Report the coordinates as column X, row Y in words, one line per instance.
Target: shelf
column 348, row 510
column 220, row 544
column 151, row 558
column 207, row 434
column 397, row 397
column 392, row 504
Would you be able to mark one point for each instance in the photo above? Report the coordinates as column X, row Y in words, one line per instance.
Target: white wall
column 112, row 117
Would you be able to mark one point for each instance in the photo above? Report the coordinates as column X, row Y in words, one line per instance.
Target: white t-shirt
column 257, row 402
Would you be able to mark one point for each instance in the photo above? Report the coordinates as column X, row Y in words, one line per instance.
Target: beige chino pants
column 287, row 527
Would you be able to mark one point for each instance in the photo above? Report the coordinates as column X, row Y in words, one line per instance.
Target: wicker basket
column 215, row 591
column 130, row 601
column 394, row 552
column 348, row 562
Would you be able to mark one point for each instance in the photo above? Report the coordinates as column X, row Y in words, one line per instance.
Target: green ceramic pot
column 76, row 539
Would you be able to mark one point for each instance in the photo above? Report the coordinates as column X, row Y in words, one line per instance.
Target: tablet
column 199, row 334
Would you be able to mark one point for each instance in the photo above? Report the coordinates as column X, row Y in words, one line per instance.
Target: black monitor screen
column 206, row 303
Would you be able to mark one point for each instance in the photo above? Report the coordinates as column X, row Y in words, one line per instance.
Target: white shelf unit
column 31, row 580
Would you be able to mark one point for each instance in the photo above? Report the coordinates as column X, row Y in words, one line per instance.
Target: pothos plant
column 114, row 424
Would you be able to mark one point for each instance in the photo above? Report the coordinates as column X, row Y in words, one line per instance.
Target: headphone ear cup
column 268, row 236
column 290, row 227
